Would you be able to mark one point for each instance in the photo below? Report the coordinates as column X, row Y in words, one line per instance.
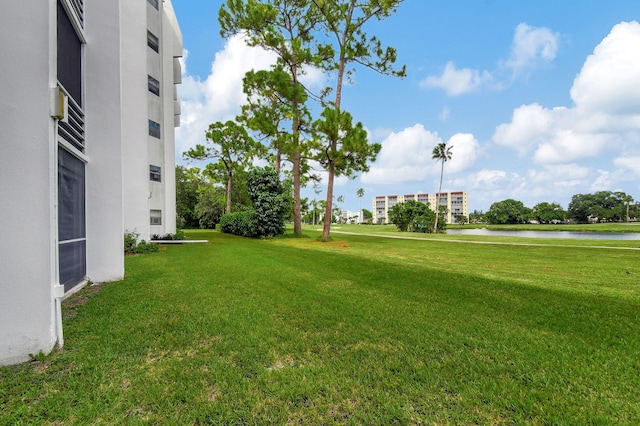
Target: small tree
column 344, row 21
column 233, row 149
column 403, row 215
column 270, row 201
column 461, row 219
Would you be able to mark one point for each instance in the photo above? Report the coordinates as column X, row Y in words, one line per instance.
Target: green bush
column 179, row 235
column 239, row 223
column 270, row 203
column 132, row 246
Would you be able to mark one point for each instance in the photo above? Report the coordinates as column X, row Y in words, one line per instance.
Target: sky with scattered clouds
column 539, row 100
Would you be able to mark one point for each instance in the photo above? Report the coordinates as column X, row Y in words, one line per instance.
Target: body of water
column 548, row 234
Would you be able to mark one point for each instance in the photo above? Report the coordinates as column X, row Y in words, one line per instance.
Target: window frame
column 153, row 85
column 154, row 129
column 155, row 217
column 155, row 173
column 153, row 42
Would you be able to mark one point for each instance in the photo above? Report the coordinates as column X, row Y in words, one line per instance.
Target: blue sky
column 539, row 99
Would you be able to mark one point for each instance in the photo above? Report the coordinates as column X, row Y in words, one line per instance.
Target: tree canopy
column 414, row 216
column 232, row 148
column 508, row 211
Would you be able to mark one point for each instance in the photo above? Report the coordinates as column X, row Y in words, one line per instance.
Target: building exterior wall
column 457, row 203
column 140, row 149
column 27, row 179
column 113, row 73
column 104, row 143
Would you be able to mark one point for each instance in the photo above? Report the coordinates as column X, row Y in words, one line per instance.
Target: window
column 155, row 173
column 156, row 217
column 154, row 86
column 69, row 56
column 153, row 3
column 72, row 259
column 153, row 42
column 154, row 129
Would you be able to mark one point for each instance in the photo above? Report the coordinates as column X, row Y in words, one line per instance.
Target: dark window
column 153, row 3
column 154, row 86
column 155, row 173
column 73, row 263
column 69, row 56
column 156, row 217
column 154, row 129
column 71, row 219
column 153, row 42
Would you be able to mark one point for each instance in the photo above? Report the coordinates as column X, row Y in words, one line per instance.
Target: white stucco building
column 456, row 203
column 87, row 116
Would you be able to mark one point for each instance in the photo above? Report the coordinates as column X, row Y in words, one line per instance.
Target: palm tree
column 441, row 152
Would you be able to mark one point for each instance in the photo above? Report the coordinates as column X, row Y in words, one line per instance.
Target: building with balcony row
column 88, row 114
column 456, row 203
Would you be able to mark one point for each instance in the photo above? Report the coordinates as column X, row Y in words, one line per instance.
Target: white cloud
column 609, row 81
column 219, row 97
column 606, row 114
column 603, row 182
column 406, row 156
column 631, row 164
column 531, row 46
column 530, row 125
column 465, row 149
column 457, row 81
column 445, row 114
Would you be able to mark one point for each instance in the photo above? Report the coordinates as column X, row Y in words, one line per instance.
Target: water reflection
column 548, row 234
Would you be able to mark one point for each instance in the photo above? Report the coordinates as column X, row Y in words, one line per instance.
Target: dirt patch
column 72, row 304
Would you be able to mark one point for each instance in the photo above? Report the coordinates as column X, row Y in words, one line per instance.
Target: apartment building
column 456, row 203
column 88, row 110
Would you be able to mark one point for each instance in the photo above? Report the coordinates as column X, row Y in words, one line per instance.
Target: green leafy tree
column 403, row 215
column 508, row 211
column 581, row 207
column 210, row 206
column 343, row 22
column 270, row 96
column 270, row 201
column 477, row 216
column 287, row 28
column 548, row 213
column 367, row 215
column 461, row 219
column 602, row 206
column 442, row 153
column 427, row 222
column 346, row 150
column 232, row 147
column 188, row 181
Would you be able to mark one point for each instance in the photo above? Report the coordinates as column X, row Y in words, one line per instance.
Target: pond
column 548, row 234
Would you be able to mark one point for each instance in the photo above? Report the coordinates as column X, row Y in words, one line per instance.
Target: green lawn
column 358, row 330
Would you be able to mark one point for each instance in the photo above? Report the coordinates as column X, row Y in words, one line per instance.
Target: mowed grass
column 358, row 330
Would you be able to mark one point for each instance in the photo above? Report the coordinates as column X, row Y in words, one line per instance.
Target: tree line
column 601, row 206
column 283, row 122
column 201, row 200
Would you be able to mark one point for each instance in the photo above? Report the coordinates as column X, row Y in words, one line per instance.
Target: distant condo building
column 457, row 203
